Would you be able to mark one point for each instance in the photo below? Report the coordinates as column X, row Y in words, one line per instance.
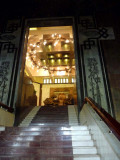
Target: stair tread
column 48, row 137
column 60, row 157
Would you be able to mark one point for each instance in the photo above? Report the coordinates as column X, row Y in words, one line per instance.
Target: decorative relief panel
column 9, row 44
column 89, row 36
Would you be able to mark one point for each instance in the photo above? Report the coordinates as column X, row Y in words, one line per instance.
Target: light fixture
column 33, row 29
column 35, row 48
column 67, row 41
column 45, row 42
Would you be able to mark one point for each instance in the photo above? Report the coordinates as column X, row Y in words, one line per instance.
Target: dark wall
column 111, row 49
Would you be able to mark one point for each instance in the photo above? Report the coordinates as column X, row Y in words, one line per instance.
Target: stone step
column 44, row 138
column 41, row 157
column 2, row 128
column 87, row 157
column 38, row 157
column 84, row 150
column 47, row 128
column 46, row 133
column 46, row 144
column 47, row 151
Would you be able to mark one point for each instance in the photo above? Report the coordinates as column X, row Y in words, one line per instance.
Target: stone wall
column 111, row 51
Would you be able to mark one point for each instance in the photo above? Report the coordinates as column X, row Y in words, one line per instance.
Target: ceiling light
column 67, row 41
column 45, row 42
column 34, row 45
column 56, row 42
column 52, row 35
column 59, row 35
column 32, row 29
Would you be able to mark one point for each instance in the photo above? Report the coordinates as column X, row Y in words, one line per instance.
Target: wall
column 46, row 89
column 111, row 50
column 6, row 118
column 37, row 89
column 107, row 144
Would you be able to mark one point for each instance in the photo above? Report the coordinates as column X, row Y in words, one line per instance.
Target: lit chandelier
column 31, row 54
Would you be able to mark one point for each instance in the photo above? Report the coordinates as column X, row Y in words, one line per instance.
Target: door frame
column 49, row 22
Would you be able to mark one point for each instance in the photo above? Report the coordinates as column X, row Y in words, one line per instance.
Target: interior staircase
column 48, row 136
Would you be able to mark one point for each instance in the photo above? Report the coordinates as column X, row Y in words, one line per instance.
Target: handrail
column 106, row 117
column 4, row 106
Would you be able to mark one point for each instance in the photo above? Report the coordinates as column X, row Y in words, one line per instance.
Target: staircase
column 49, row 136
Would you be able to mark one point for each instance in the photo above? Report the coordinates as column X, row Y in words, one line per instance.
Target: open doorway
column 50, row 73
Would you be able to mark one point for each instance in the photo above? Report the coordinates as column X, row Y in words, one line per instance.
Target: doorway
column 49, row 71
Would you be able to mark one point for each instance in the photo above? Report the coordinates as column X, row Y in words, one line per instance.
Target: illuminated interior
column 50, row 62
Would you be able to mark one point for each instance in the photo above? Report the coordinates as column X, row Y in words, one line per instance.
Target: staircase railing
column 106, row 117
column 4, row 106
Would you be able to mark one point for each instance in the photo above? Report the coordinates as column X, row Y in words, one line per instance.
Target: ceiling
column 55, row 8
column 50, row 58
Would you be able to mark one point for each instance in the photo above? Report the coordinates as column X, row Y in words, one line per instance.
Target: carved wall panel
column 95, row 82
column 9, row 44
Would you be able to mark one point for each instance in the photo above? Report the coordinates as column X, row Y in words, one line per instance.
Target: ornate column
column 93, row 68
column 9, row 49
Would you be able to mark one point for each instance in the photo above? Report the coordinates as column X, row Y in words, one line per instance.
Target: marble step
column 47, row 151
column 38, row 157
column 46, row 144
column 44, row 138
column 84, row 150
column 47, row 128
column 2, row 128
column 46, row 133
column 41, row 157
column 51, row 124
column 87, row 157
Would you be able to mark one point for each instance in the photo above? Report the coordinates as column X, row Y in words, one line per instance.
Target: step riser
column 47, row 144
column 49, row 133
column 90, row 150
column 48, row 151
column 46, row 129
column 49, row 136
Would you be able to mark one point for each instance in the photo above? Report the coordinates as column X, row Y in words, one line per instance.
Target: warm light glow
column 58, row 55
column 58, row 68
column 27, row 57
column 60, row 73
column 63, row 80
column 45, row 42
column 52, row 35
column 51, row 56
column 34, row 51
column 66, row 80
column 59, row 61
column 50, row 47
column 56, row 42
column 66, row 55
column 47, row 80
column 59, row 35
column 34, row 45
column 67, row 41
column 58, row 80
column 44, row 80
column 32, row 29
column 55, row 80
